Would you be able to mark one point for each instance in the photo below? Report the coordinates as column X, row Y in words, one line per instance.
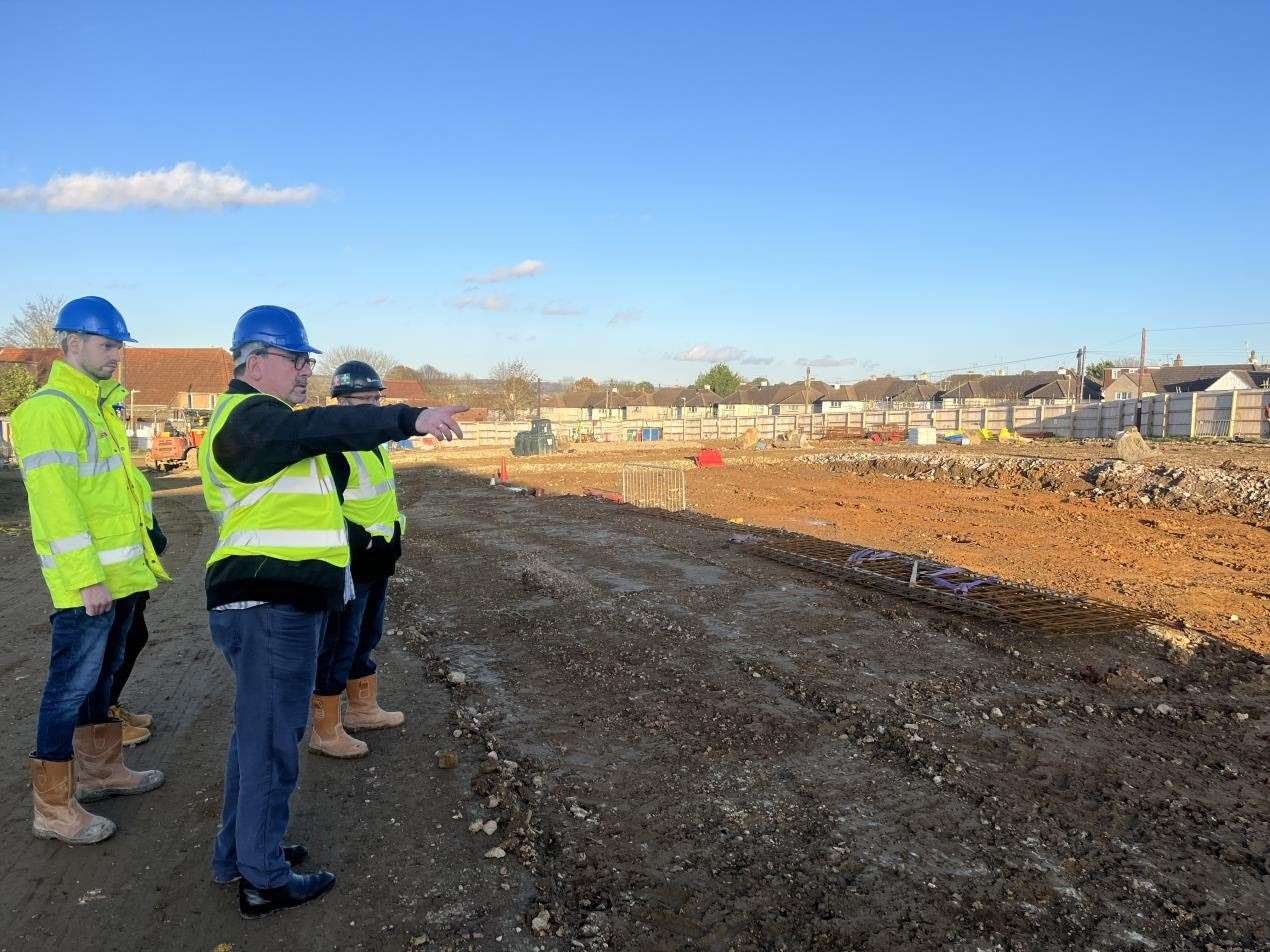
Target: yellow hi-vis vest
column 293, row 516
column 370, row 499
column 88, row 512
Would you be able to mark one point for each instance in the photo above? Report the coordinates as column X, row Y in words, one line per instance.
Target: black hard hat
column 354, row 376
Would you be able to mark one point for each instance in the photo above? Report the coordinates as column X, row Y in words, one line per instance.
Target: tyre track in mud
column 717, row 757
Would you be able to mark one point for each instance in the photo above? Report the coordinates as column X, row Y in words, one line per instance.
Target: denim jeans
column 87, row 651
column 352, row 633
column 134, row 642
column 272, row 650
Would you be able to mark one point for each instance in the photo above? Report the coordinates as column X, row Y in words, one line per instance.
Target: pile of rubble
column 1235, row 492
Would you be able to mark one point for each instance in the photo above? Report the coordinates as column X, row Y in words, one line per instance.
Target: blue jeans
column 87, row 651
column 272, row 650
column 352, row 633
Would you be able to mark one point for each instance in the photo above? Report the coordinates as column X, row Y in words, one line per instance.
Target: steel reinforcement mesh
column 948, row 586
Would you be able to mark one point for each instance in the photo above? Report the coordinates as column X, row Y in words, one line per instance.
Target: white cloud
column 487, row 302
column 379, row 301
column 703, row 353
column 562, row 310
column 185, row 186
column 827, row 361
column 760, row 361
column 625, row 317
column 526, row 269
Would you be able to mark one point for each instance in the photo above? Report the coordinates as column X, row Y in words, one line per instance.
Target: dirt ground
column 1206, row 571
column 684, row 746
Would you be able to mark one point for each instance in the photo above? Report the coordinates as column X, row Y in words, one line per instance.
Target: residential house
column 838, row 400
column 895, row 391
column 1031, row 386
column 162, row 379
column 1120, row 383
column 755, row 400
column 36, row 360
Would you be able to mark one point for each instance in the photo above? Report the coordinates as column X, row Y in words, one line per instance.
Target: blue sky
column 877, row 186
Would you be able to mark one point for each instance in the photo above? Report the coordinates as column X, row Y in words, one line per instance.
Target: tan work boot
column 328, row 736
column 132, row 736
column 58, row 815
column 121, row 713
column 364, row 712
column 99, row 768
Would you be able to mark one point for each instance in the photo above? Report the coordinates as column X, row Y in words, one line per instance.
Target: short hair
column 63, row 339
column 246, row 352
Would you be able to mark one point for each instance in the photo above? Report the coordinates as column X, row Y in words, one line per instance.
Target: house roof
column 405, row 390
column 162, row 375
column 1148, row 382
column 1019, row 386
column 36, row 359
column 884, row 388
column 844, row 394
column 1186, row 379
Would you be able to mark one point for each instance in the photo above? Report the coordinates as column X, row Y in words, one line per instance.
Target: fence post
column 1234, row 408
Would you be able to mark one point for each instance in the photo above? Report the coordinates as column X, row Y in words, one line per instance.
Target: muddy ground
column 693, row 748
column 1052, row 526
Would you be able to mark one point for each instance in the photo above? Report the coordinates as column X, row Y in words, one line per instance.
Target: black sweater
column 260, row 439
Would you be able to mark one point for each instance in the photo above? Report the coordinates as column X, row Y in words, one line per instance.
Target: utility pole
column 807, row 392
column 539, row 399
column 1142, row 370
column 1079, row 395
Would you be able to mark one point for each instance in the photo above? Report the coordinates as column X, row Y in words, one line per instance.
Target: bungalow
column 1035, row 387
column 838, row 400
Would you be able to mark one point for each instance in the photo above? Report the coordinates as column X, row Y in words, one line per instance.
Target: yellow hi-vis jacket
column 89, row 514
column 370, row 499
column 294, row 515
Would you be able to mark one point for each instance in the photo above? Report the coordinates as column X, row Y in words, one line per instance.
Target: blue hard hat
column 93, row 315
column 275, row 326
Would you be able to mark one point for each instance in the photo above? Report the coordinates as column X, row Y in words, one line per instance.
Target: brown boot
column 132, row 736
column 364, row 712
column 328, row 736
column 121, row 713
column 99, row 768
column 58, row 815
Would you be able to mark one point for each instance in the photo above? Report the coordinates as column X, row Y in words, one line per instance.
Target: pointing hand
column 440, row 422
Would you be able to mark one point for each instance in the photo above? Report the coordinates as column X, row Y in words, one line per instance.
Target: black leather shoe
column 294, row 855
column 303, row 887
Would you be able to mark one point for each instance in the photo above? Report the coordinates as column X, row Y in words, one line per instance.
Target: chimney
column 1177, row 361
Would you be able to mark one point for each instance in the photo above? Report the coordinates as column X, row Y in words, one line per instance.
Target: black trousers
column 138, row 635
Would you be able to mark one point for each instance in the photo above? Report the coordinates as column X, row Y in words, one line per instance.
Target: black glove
column 157, row 538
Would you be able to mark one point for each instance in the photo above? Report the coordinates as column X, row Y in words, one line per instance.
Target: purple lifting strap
column 941, row 580
column 869, row 555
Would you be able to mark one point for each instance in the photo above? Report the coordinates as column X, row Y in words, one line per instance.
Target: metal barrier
column 650, row 486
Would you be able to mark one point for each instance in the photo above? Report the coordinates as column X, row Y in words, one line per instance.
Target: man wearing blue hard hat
column 281, row 563
column 89, row 522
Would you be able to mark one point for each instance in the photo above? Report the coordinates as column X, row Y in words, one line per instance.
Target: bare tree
column 379, row 359
column 33, row 327
column 516, row 386
column 429, row 372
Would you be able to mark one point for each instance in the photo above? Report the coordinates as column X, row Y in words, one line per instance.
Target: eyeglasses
column 299, row 361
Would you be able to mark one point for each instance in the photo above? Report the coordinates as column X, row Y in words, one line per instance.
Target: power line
column 1204, row 327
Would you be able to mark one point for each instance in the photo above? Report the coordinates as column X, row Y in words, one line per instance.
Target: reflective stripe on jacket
column 293, row 515
column 89, row 512
column 370, row 499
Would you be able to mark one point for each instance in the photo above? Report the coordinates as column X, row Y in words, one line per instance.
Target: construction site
column 839, row 695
